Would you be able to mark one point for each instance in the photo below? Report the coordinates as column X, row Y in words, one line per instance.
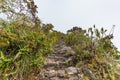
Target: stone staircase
column 57, row 65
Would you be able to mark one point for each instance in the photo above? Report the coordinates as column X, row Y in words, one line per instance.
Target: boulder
column 71, row 70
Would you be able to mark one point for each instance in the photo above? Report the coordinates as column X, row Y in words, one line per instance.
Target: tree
column 20, row 10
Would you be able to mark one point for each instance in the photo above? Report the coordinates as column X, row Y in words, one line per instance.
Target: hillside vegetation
column 26, row 43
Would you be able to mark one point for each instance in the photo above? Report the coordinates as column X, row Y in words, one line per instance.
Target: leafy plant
column 22, row 50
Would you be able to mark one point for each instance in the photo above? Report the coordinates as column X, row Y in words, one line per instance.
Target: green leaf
column 2, row 56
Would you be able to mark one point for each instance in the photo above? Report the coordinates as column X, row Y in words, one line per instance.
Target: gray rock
column 71, row 70
column 66, row 48
column 88, row 72
column 81, row 76
column 74, row 78
column 51, row 73
column 61, row 73
column 41, row 77
column 54, row 78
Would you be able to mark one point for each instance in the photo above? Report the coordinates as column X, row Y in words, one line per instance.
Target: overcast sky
column 64, row 14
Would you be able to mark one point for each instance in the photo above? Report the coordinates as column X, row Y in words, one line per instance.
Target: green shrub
column 91, row 43
column 22, row 50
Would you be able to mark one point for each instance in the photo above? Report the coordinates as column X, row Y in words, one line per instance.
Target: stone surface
column 88, row 72
column 74, row 78
column 61, row 73
column 80, row 76
column 54, row 78
column 57, row 67
column 71, row 70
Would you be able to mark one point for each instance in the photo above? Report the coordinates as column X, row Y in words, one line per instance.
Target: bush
column 91, row 43
column 96, row 51
column 22, row 50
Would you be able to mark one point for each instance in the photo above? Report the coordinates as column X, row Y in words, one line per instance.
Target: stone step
column 60, row 74
column 57, row 58
column 55, row 64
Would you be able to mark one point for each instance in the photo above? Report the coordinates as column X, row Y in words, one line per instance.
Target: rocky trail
column 57, row 65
